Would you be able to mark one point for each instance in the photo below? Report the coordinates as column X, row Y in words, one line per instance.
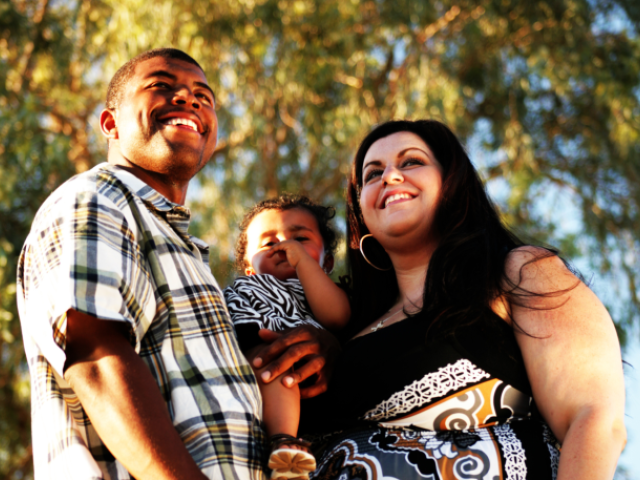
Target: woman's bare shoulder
column 531, row 268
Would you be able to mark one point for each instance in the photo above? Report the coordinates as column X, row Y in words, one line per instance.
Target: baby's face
column 273, row 226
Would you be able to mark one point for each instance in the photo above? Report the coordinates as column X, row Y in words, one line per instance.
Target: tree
column 548, row 89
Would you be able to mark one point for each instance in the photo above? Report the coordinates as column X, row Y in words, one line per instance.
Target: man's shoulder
column 99, row 185
column 103, row 179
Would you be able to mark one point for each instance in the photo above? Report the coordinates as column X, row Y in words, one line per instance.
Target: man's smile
column 182, row 120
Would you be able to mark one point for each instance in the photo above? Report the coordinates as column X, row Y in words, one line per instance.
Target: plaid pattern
column 108, row 245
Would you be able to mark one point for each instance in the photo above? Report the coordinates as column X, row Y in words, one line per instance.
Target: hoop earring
column 367, row 260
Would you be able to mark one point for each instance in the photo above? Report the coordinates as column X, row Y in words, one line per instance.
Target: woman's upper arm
column 569, row 345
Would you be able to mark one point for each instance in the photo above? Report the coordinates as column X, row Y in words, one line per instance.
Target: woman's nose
column 392, row 175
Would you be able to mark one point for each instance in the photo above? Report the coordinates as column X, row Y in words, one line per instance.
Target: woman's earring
column 365, row 257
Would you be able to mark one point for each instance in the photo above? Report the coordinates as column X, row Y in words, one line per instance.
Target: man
column 135, row 370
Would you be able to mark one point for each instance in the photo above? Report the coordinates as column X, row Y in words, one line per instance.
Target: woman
column 473, row 355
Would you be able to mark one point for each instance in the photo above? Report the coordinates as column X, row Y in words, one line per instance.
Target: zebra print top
column 263, row 301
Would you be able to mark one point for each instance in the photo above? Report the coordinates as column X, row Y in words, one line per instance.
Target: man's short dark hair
column 125, row 72
column 286, row 201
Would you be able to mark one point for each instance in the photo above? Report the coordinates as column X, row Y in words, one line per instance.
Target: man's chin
column 186, row 162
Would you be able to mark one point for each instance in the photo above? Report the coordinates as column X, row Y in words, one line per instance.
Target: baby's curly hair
column 286, row 201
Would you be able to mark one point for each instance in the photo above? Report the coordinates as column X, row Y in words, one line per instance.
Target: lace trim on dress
column 552, row 445
column 515, row 459
column 433, row 385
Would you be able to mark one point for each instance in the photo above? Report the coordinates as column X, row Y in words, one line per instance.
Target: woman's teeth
column 397, row 196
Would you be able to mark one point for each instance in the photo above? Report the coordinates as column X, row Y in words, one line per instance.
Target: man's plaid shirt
column 108, row 245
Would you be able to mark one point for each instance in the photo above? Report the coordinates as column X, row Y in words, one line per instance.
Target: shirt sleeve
column 82, row 254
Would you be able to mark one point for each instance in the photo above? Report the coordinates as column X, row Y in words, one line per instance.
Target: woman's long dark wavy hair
column 466, row 271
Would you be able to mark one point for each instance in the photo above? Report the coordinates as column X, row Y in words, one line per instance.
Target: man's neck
column 173, row 191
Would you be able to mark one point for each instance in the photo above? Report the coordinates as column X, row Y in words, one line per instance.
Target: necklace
column 381, row 322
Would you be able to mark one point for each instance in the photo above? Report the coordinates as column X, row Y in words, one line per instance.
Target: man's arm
column 123, row 401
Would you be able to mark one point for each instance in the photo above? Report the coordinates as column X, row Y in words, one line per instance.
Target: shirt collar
column 177, row 215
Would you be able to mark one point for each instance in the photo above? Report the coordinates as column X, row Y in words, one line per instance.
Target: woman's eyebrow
column 401, row 153
column 372, row 163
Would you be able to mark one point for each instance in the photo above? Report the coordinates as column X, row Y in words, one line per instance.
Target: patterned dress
column 451, row 408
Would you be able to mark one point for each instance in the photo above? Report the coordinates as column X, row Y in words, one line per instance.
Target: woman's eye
column 301, row 239
column 371, row 174
column 160, row 84
column 412, row 161
column 268, row 244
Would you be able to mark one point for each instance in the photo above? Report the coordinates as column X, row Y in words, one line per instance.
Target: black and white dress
column 263, row 301
column 456, row 407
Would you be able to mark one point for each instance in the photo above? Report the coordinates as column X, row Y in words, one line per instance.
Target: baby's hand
column 294, row 251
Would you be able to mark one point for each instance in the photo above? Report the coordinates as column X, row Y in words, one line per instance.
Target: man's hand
column 123, row 401
column 318, row 348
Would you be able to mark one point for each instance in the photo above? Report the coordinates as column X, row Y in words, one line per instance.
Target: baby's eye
column 301, row 239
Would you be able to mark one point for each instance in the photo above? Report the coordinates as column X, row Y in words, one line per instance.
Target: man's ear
column 249, row 271
column 108, row 124
column 327, row 265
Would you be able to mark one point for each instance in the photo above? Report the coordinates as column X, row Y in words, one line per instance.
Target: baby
column 286, row 250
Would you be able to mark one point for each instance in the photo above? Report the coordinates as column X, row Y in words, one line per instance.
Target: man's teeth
column 397, row 196
column 181, row 121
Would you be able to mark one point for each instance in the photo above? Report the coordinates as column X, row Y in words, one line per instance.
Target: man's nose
column 392, row 175
column 184, row 96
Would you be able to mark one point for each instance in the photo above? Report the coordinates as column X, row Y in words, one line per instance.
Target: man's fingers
column 313, row 390
column 280, row 343
column 286, row 361
column 319, row 386
column 268, row 336
column 313, row 364
column 317, row 347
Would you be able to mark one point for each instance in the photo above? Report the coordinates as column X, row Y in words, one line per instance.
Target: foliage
column 549, row 91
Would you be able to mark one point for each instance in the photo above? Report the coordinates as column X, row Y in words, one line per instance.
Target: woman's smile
column 391, row 198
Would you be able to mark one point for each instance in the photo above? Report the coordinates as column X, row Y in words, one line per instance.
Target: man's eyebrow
column 164, row 73
column 204, row 85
